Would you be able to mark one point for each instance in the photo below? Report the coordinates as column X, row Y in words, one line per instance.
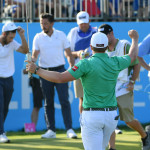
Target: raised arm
column 133, row 52
column 24, row 47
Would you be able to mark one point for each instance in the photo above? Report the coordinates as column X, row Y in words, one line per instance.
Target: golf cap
column 99, row 40
column 82, row 17
column 9, row 26
column 105, row 28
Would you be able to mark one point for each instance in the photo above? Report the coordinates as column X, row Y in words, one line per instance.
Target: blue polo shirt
column 144, row 46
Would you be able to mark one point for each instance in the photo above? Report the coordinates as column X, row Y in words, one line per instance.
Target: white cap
column 82, row 17
column 9, row 26
column 99, row 40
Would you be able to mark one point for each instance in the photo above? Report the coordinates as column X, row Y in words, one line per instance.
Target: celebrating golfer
column 98, row 75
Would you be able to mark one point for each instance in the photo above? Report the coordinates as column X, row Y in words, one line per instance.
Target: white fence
column 66, row 10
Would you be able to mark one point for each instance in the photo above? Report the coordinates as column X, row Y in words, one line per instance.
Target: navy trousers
column 48, row 89
column 6, row 91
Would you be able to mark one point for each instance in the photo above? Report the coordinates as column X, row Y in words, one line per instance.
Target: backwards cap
column 99, row 40
column 105, row 28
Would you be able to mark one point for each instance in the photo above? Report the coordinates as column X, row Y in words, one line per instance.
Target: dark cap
column 105, row 28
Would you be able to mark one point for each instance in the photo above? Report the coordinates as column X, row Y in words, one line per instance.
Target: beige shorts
column 78, row 89
column 125, row 105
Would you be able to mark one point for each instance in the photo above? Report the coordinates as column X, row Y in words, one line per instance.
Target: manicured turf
column 129, row 140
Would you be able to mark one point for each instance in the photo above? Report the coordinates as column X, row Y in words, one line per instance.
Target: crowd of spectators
column 64, row 10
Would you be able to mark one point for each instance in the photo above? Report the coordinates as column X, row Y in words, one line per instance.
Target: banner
column 21, row 104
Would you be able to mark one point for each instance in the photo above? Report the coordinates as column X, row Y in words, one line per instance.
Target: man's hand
column 20, row 31
column 30, row 67
column 84, row 54
column 133, row 34
column 130, row 87
column 24, row 71
column 133, row 52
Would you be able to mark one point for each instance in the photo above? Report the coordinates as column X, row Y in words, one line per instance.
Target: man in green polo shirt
column 98, row 75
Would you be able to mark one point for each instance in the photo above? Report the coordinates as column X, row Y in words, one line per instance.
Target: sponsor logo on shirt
column 74, row 68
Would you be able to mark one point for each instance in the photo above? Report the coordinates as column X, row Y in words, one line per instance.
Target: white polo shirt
column 7, row 67
column 51, row 48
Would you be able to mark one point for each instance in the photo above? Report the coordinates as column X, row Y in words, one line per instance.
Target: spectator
column 14, row 9
column 91, row 7
column 21, row 7
column 10, row 10
column 7, row 68
column 50, row 44
column 124, row 87
column 79, row 38
column 143, row 12
column 128, row 10
column 58, row 8
column 115, row 7
column 144, row 49
column 43, row 7
column 76, row 7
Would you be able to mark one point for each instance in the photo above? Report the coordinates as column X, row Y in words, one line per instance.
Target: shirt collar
column 54, row 33
column 100, row 55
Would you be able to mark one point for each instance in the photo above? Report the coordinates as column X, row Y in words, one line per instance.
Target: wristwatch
column 133, row 82
column 37, row 68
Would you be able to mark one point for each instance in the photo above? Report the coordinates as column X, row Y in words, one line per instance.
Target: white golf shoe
column 118, row 131
column 4, row 139
column 71, row 134
column 49, row 134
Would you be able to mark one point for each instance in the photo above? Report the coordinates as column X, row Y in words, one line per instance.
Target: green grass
column 129, row 140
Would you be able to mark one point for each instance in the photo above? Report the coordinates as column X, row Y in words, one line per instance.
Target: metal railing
column 66, row 10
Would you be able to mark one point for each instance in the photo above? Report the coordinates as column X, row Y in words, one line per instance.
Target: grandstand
column 66, row 10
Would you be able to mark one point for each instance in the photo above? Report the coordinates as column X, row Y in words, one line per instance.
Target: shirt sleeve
column 80, row 69
column 16, row 45
column 35, row 43
column 144, row 47
column 66, row 42
column 69, row 36
column 127, row 48
column 123, row 62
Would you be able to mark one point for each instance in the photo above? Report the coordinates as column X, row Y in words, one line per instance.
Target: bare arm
column 76, row 54
column 24, row 47
column 69, row 56
column 143, row 63
column 52, row 76
column 35, row 54
column 136, row 71
column 133, row 52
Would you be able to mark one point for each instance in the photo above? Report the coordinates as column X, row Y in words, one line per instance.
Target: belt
column 54, row 68
column 100, row 109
